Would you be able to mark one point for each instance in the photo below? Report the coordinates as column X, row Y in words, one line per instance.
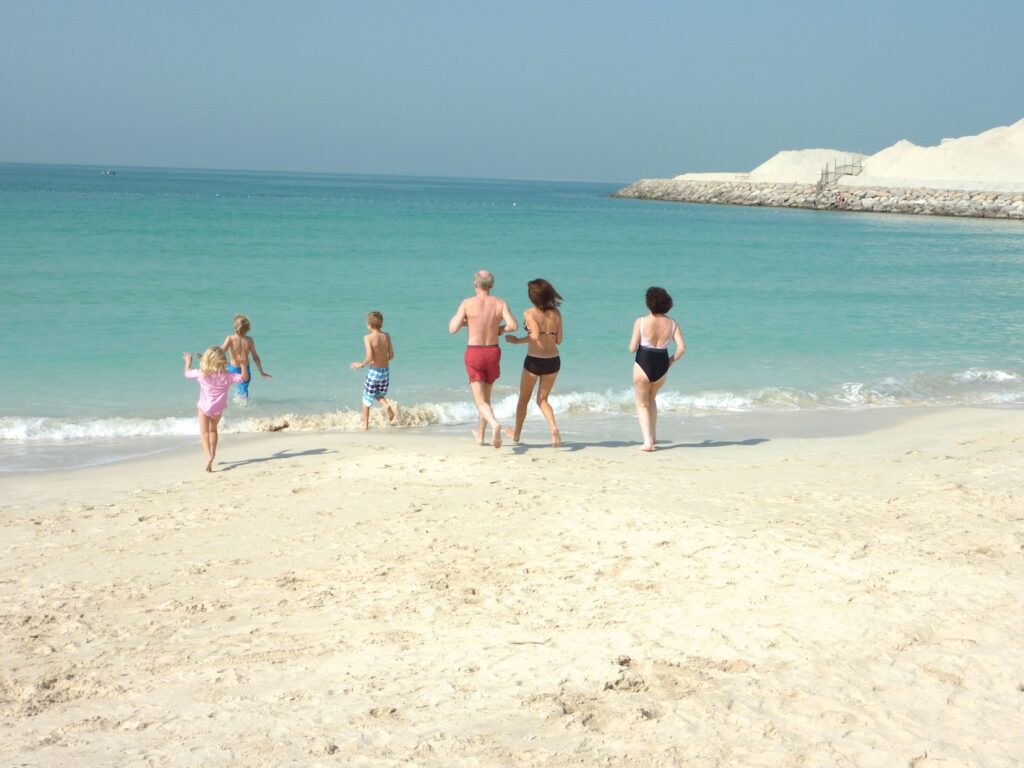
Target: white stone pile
column 918, row 200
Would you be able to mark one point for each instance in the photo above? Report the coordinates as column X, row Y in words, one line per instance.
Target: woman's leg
column 643, row 405
column 526, row 382
column 547, row 381
column 653, row 407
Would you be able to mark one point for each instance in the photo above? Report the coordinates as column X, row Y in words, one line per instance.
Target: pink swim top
column 213, row 389
column 646, row 342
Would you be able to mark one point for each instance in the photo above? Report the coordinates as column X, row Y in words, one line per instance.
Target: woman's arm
column 634, row 342
column 680, row 344
column 529, row 334
column 558, row 337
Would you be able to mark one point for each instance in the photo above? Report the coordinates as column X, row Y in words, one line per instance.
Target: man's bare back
column 484, row 315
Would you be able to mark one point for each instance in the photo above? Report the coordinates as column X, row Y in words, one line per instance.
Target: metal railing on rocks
column 832, row 171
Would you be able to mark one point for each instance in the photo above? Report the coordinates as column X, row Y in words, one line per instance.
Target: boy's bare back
column 239, row 348
column 379, row 349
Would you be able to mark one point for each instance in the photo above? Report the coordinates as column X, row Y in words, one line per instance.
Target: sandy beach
column 406, row 598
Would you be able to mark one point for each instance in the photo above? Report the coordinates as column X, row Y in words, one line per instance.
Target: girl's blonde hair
column 213, row 361
column 241, row 325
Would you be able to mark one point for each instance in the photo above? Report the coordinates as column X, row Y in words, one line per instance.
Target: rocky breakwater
column 920, row 200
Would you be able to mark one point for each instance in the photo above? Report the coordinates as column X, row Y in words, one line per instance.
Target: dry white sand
column 410, row 599
column 992, row 160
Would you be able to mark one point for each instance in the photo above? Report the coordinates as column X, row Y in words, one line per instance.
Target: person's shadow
column 663, row 445
column 285, row 454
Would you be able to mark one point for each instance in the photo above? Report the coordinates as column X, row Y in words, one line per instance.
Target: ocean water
column 108, row 278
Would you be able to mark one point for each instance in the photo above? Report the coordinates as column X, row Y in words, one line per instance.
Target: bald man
column 486, row 317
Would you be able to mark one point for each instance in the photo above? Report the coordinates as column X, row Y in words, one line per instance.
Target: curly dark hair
column 543, row 294
column 658, row 300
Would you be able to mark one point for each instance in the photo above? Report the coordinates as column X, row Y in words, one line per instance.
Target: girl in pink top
column 214, row 381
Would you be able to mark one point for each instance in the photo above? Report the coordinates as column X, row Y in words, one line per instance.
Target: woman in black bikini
column 543, row 325
column 651, row 336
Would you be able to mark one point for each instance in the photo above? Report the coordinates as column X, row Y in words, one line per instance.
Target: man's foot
column 556, row 439
column 511, row 435
column 496, row 436
column 478, row 436
column 391, row 414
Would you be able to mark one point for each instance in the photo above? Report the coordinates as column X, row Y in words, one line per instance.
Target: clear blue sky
column 594, row 90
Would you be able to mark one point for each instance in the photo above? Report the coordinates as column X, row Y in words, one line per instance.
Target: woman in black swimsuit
column 543, row 325
column 651, row 336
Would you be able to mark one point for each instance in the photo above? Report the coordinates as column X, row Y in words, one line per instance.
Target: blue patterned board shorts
column 376, row 384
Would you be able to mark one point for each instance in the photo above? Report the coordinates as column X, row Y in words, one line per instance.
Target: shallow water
column 110, row 278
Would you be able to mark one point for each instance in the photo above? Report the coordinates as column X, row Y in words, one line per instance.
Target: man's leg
column 482, row 397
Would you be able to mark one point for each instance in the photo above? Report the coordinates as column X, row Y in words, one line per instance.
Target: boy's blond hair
column 375, row 319
column 241, row 325
column 213, row 361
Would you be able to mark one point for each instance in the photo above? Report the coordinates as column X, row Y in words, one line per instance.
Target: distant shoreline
column 874, row 199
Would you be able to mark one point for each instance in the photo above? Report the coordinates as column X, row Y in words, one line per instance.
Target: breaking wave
column 971, row 387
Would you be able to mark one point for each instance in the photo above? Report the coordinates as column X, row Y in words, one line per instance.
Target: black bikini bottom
column 653, row 362
column 539, row 366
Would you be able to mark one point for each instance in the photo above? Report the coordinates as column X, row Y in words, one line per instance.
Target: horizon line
column 302, row 173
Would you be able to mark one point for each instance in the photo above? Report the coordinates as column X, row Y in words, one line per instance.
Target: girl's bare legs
column 204, row 437
column 526, row 382
column 208, row 436
column 547, row 381
column 643, row 406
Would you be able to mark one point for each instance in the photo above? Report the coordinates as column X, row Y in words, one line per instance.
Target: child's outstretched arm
column 256, row 358
column 188, row 360
column 367, row 358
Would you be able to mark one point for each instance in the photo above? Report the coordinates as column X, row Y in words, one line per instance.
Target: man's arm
column 458, row 319
column 508, row 319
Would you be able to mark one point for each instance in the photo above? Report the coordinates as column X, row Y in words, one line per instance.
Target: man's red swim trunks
column 483, row 363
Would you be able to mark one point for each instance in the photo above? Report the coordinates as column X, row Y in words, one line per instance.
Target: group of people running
column 487, row 317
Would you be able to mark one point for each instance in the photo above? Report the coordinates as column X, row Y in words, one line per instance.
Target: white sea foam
column 974, row 386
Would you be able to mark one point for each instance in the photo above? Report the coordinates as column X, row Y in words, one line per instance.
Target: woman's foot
column 478, row 436
column 556, row 439
column 209, row 465
column 647, row 447
column 496, row 436
column 511, row 435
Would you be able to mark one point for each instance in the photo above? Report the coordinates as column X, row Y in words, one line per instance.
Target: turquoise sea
column 108, row 278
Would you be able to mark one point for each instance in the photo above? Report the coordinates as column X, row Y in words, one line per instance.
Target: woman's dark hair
column 658, row 300
column 543, row 294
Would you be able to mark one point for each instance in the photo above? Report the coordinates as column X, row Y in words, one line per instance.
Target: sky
column 596, row 91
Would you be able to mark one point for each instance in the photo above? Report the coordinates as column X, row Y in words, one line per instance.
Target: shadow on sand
column 663, row 445
column 224, row 466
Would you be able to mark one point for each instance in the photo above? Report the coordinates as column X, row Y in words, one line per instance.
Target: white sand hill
column 991, row 160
